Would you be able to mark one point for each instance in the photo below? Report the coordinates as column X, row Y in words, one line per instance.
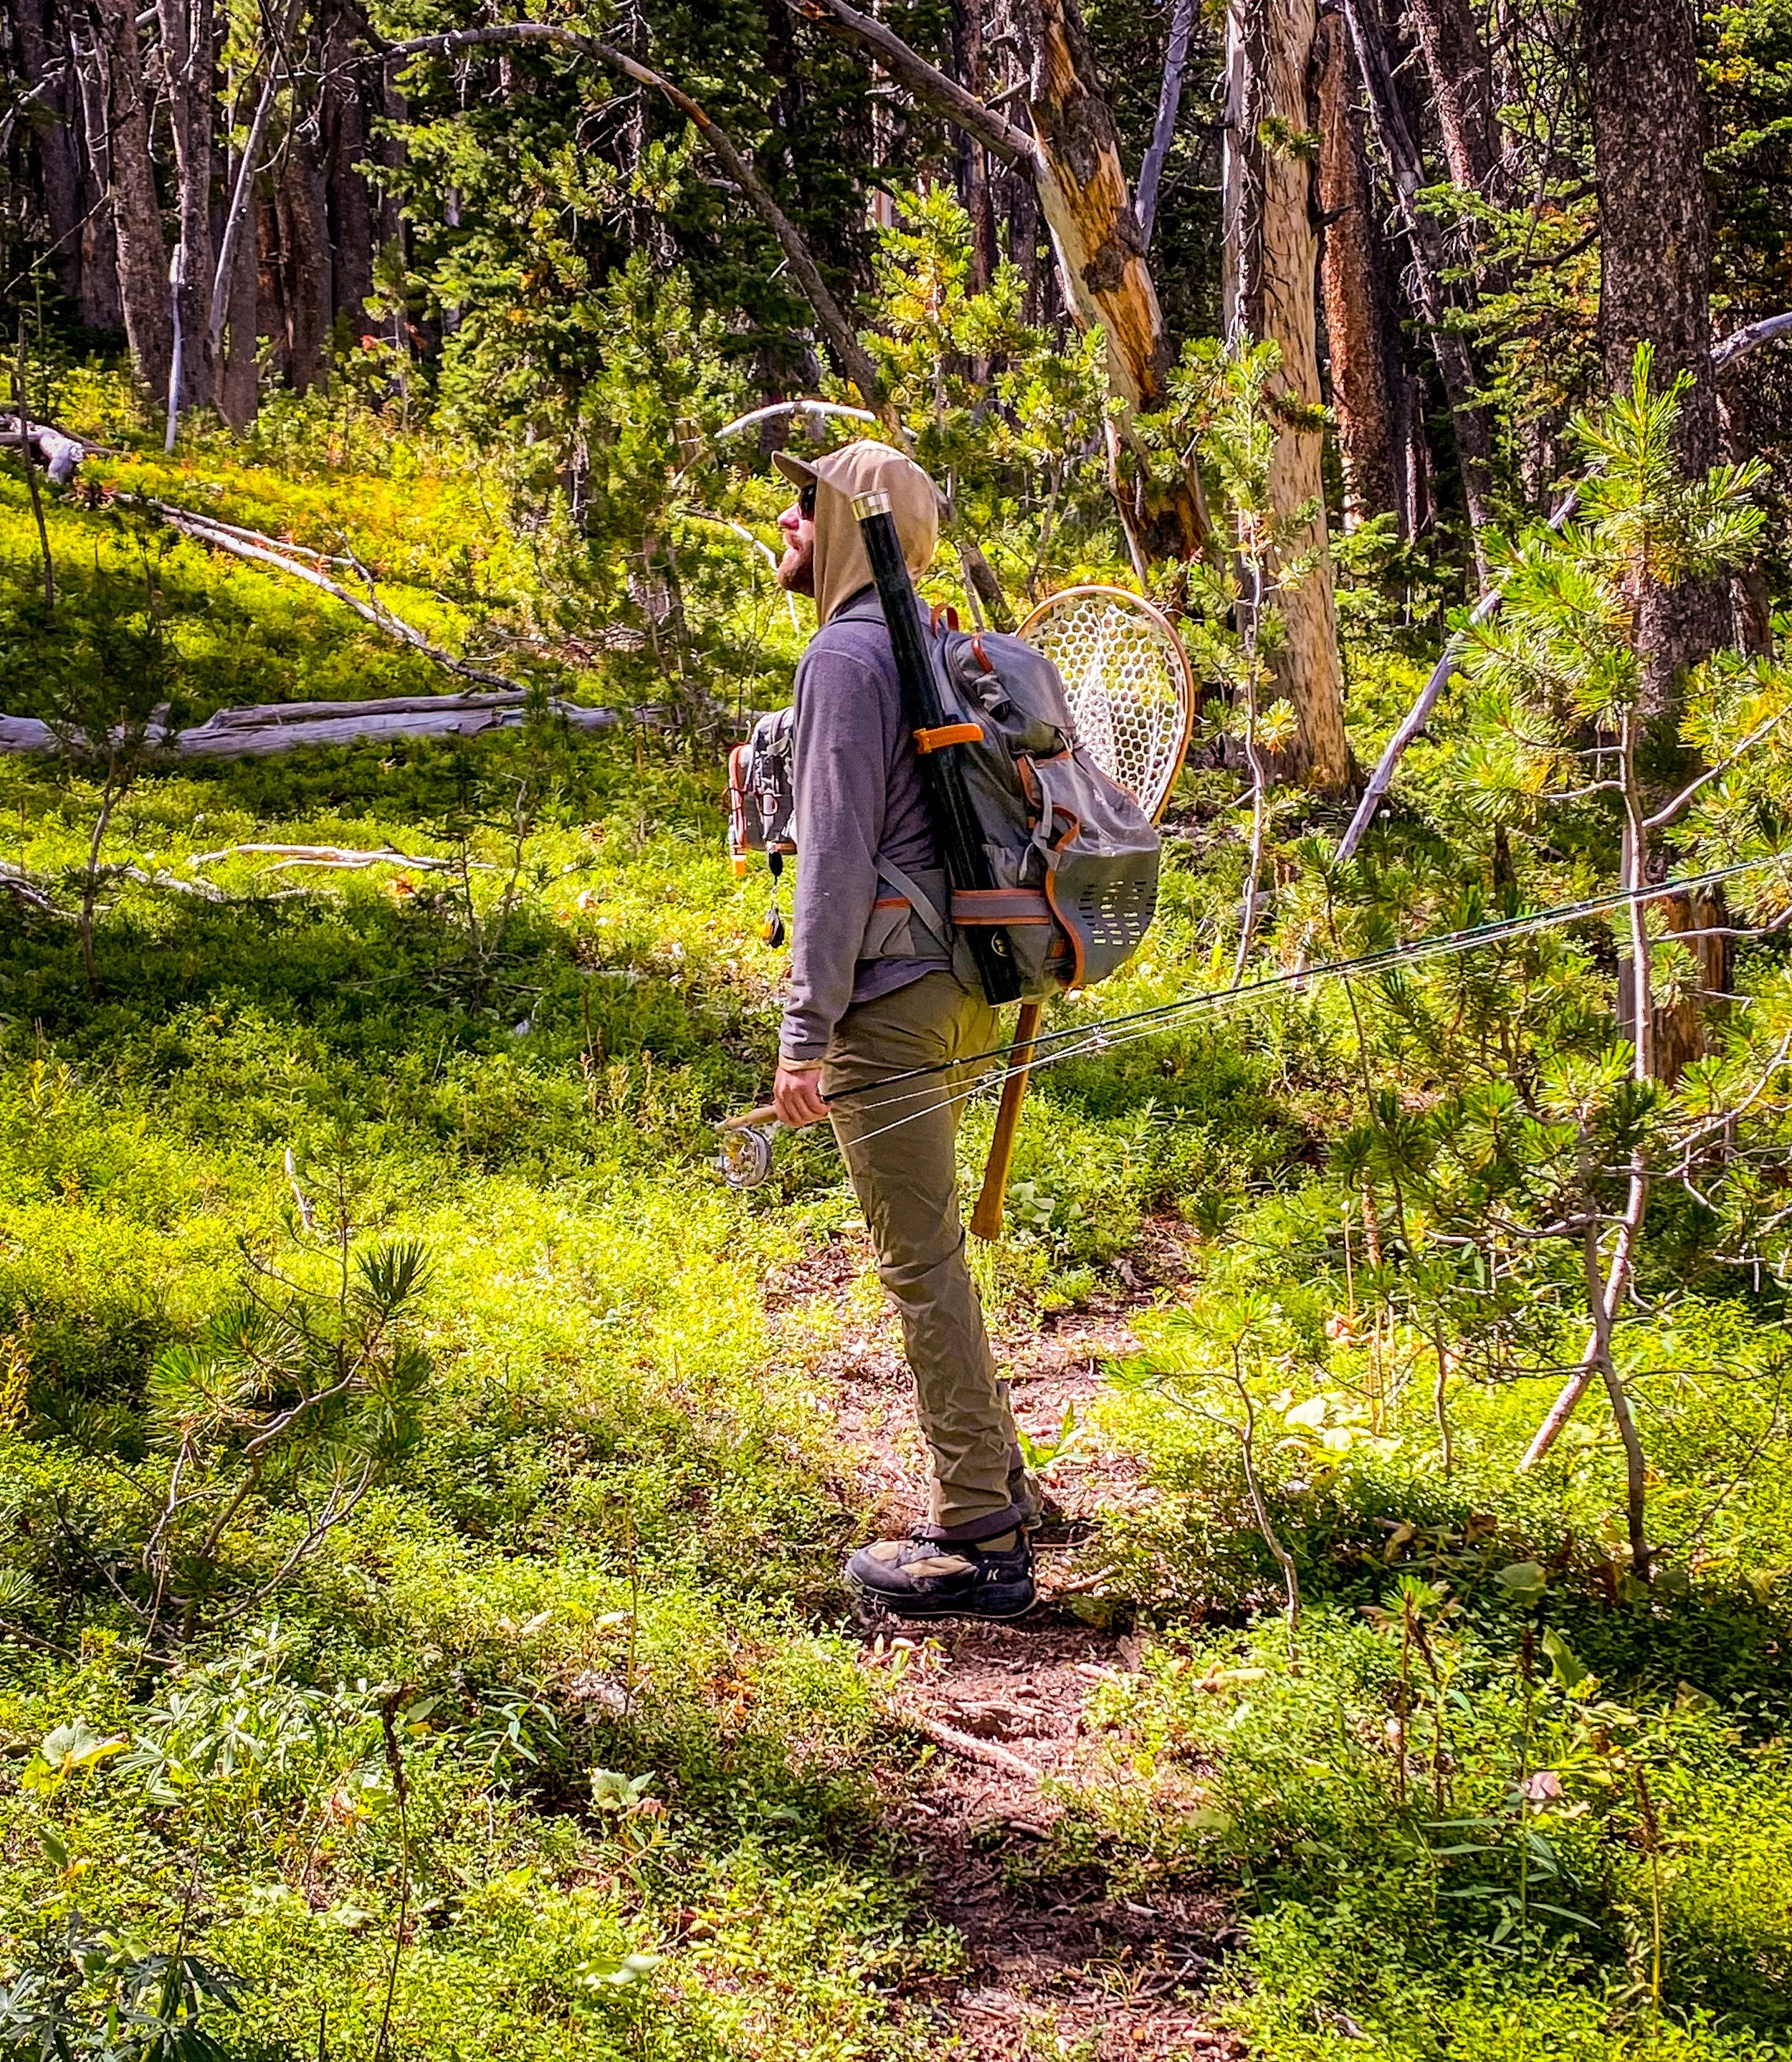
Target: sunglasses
column 805, row 500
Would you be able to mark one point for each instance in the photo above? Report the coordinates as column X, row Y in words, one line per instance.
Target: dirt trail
column 1059, row 1968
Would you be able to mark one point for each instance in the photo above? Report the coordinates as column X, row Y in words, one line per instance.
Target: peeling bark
column 1359, row 325
column 1273, row 247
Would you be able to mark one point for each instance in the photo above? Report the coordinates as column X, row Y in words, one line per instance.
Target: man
column 875, row 990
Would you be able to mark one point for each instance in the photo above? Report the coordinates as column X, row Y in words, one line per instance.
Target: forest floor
column 1054, row 1955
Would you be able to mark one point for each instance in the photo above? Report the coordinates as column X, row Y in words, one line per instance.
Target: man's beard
column 796, row 570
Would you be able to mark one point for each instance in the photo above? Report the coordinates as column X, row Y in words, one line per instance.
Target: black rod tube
column 961, row 846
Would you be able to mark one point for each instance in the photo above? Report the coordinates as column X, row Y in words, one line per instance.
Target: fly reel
column 745, row 1159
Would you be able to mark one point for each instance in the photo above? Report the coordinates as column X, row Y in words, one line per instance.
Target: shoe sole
column 899, row 1609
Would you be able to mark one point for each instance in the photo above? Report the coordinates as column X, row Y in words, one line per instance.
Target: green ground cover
column 566, row 1699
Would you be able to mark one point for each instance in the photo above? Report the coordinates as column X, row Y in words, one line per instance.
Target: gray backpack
column 1074, row 857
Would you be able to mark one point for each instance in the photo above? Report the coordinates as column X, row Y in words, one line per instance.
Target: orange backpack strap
column 1000, row 905
column 948, row 733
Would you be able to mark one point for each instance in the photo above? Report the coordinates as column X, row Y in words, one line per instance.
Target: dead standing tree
column 1271, row 244
column 1070, row 150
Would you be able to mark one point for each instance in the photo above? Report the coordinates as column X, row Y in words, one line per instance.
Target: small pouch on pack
column 890, row 933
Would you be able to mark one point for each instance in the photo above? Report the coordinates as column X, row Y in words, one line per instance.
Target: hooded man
column 873, row 992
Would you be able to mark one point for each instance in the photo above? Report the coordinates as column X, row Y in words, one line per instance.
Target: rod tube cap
column 876, row 502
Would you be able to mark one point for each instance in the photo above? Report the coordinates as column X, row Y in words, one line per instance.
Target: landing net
column 1130, row 687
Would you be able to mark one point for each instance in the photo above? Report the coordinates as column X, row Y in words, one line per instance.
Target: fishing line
column 1077, row 1038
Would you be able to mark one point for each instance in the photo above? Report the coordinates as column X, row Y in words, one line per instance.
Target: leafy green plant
column 103, row 672
column 93, row 1996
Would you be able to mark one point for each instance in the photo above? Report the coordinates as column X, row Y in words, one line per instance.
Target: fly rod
column 940, row 733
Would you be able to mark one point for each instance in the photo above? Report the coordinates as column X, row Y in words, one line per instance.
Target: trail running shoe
column 922, row 1577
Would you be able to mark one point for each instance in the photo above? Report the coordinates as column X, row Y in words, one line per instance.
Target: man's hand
column 797, row 1096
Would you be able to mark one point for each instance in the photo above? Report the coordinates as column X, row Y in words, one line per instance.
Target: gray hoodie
column 857, row 776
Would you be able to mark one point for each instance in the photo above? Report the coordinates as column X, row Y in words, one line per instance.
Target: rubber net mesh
column 1127, row 688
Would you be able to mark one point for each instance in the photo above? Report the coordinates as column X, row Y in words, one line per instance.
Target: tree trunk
column 1272, row 247
column 973, row 166
column 238, row 391
column 1164, row 128
column 346, row 148
column 51, row 115
column 1020, row 209
column 1462, row 91
column 302, row 265
column 189, row 45
column 1655, row 267
column 101, row 305
column 1655, row 282
column 1474, row 439
column 1359, row 322
column 1088, row 208
column 1072, row 154
column 143, row 257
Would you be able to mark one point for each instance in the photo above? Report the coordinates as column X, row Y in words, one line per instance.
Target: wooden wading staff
column 986, row 1217
column 940, row 733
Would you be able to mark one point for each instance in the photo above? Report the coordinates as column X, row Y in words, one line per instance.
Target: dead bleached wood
column 325, row 855
column 273, row 727
column 22, row 888
column 57, row 452
column 269, row 552
column 1741, row 341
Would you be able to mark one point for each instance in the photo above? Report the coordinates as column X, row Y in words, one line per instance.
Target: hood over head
column 840, row 566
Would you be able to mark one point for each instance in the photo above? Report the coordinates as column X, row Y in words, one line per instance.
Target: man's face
column 796, row 570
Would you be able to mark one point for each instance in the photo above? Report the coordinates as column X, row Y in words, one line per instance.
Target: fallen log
column 269, row 552
column 57, row 452
column 325, row 855
column 272, row 727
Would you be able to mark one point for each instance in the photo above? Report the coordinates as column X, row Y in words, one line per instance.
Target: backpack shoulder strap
column 919, row 900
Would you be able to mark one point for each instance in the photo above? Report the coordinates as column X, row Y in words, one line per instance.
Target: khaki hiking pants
column 905, row 1177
